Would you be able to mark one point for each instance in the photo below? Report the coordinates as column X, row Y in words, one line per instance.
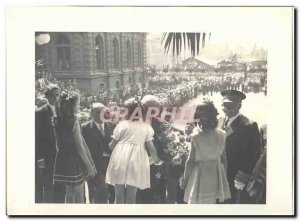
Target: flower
column 174, row 145
column 83, row 116
column 158, row 175
column 182, row 139
column 177, row 160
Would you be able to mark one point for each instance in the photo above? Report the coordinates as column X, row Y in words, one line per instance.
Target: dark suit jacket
column 242, row 149
column 96, row 143
column 45, row 143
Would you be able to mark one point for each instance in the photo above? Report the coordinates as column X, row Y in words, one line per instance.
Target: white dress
column 129, row 162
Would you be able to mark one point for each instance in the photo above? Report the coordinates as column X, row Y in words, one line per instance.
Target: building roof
column 225, row 62
column 194, row 60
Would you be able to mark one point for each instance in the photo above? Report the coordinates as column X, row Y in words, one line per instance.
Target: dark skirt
column 69, row 169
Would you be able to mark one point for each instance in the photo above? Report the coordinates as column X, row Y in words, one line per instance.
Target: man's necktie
column 226, row 123
column 101, row 130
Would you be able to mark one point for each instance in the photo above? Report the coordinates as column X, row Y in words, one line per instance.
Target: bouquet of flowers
column 174, row 146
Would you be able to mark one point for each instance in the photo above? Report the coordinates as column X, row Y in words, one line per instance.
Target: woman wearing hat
column 204, row 177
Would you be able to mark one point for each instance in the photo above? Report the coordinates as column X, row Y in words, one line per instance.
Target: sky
column 220, row 46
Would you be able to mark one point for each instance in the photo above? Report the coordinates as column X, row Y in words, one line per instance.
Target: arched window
column 63, row 53
column 99, row 52
column 140, row 55
column 128, row 50
column 116, row 53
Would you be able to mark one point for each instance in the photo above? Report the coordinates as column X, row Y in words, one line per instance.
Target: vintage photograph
column 149, row 118
column 118, row 111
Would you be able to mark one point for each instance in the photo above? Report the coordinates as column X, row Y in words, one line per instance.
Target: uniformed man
column 242, row 145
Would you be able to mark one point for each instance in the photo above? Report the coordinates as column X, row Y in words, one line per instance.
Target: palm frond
column 184, row 36
column 198, row 35
column 191, row 41
column 163, row 37
column 203, row 40
column 178, row 43
column 174, row 42
column 180, row 40
column 168, row 42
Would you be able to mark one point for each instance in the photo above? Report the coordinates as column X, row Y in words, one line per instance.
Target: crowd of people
column 211, row 82
column 132, row 161
column 172, row 88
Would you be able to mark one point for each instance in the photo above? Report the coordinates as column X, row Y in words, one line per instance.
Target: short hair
column 150, row 101
column 96, row 106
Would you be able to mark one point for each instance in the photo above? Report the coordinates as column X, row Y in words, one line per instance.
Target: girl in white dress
column 129, row 167
column 205, row 178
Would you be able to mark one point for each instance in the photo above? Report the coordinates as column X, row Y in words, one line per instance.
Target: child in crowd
column 129, row 167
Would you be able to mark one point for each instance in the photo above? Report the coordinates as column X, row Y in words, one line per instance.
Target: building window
column 128, row 50
column 63, row 53
column 99, row 53
column 140, row 55
column 116, row 53
column 129, row 79
column 117, row 84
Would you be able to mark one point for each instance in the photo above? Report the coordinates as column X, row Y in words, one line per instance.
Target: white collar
column 235, row 116
column 51, row 106
column 53, row 109
column 231, row 119
column 99, row 125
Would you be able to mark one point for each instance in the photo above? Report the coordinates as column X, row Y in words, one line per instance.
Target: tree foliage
column 184, row 40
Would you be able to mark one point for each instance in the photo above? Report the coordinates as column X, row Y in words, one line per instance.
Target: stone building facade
column 107, row 60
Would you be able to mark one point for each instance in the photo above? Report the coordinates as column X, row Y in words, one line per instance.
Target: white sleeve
column 118, row 131
column 150, row 133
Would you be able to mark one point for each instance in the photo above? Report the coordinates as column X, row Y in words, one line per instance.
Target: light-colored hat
column 150, row 101
column 97, row 106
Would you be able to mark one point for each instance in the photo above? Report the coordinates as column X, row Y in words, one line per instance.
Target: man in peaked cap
column 242, row 145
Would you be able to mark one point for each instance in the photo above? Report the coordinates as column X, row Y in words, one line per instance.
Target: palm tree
column 183, row 39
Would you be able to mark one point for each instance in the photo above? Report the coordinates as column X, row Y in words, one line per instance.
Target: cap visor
column 227, row 101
